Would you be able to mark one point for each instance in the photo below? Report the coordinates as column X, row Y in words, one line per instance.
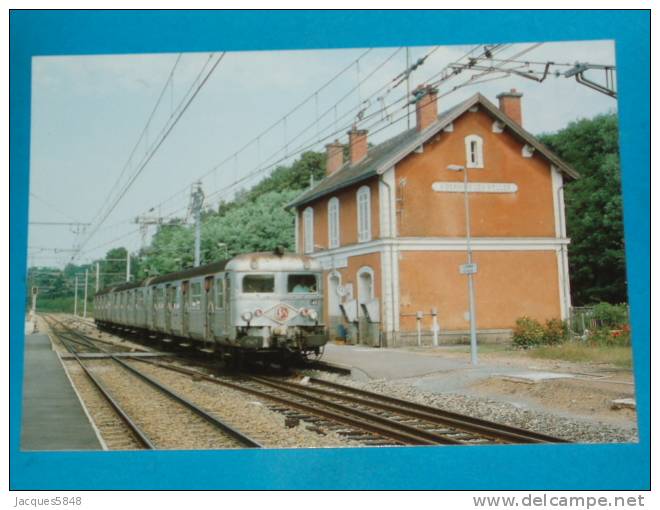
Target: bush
column 607, row 337
column 555, row 332
column 528, row 332
column 612, row 316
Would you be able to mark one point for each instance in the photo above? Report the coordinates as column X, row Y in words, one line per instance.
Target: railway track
column 362, row 416
column 147, row 413
column 368, row 417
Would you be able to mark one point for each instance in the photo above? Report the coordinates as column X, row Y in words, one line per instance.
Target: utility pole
column 128, row 266
column 75, row 297
column 85, row 294
column 98, row 276
column 470, row 268
column 196, row 202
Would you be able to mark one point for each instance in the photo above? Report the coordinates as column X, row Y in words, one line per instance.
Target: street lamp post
column 470, row 270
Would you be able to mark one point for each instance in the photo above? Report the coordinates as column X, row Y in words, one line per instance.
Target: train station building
column 389, row 226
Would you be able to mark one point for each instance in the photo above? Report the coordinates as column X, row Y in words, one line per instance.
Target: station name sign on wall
column 334, row 263
column 475, row 187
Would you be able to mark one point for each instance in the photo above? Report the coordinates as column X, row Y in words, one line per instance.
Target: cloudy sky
column 88, row 114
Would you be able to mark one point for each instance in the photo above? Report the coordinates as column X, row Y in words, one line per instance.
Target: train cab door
column 185, row 308
column 217, row 318
column 153, row 310
column 209, row 306
column 229, row 331
column 169, row 306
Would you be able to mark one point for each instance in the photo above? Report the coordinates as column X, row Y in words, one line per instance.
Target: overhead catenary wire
column 256, row 139
column 143, row 133
column 54, row 208
column 308, row 146
column 167, row 129
column 290, row 152
column 330, row 125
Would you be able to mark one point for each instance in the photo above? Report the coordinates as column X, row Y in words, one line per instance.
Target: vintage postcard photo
column 369, row 247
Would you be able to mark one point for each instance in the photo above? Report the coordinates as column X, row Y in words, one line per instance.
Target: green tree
column 171, row 250
column 593, row 209
column 261, row 224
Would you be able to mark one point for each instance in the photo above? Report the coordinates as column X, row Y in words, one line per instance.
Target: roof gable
column 390, row 152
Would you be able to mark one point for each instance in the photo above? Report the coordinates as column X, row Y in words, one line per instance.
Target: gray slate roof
column 385, row 155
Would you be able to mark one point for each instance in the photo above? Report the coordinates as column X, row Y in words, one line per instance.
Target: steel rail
column 386, row 428
column 137, row 432
column 226, row 428
column 219, row 424
column 432, row 436
column 442, row 414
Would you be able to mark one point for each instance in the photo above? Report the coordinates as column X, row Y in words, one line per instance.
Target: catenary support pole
column 85, row 294
column 75, row 297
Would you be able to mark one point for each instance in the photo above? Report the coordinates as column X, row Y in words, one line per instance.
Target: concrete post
column 75, row 297
column 128, row 266
column 434, row 327
column 419, row 328
column 85, row 295
column 98, row 275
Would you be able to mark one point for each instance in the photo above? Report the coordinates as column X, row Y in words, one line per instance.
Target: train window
column 195, row 296
column 253, row 283
column 219, row 294
column 301, row 283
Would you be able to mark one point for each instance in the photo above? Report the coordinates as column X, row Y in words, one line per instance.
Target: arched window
column 333, row 222
column 308, row 229
column 474, row 151
column 364, row 214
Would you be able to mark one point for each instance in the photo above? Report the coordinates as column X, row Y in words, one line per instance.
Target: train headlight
column 304, row 312
column 258, row 312
column 247, row 316
column 312, row 314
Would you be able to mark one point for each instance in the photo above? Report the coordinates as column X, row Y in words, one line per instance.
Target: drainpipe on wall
column 562, row 251
column 391, row 221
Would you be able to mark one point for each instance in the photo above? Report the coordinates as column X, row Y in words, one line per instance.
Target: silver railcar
column 267, row 305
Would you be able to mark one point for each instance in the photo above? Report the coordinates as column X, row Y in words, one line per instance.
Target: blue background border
column 509, row 467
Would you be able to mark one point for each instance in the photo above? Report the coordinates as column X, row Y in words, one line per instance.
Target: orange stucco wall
column 527, row 213
column 347, row 216
column 508, row 284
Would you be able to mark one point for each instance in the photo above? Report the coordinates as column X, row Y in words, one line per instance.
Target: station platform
column 433, row 369
column 53, row 417
column 373, row 363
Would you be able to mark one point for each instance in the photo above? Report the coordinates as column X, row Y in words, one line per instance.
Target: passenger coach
column 264, row 305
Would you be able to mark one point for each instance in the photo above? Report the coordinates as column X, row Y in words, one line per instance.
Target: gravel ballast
column 582, row 431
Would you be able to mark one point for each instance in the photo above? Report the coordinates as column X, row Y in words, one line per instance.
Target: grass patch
column 619, row 356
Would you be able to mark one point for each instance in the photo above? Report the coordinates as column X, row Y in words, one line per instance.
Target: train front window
column 256, row 283
column 301, row 283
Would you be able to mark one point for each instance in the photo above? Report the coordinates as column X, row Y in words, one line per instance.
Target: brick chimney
column 510, row 104
column 426, row 102
column 357, row 144
column 334, row 157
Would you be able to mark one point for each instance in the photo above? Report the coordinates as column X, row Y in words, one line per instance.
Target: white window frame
column 478, row 161
column 333, row 223
column 308, row 230
column 363, row 198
